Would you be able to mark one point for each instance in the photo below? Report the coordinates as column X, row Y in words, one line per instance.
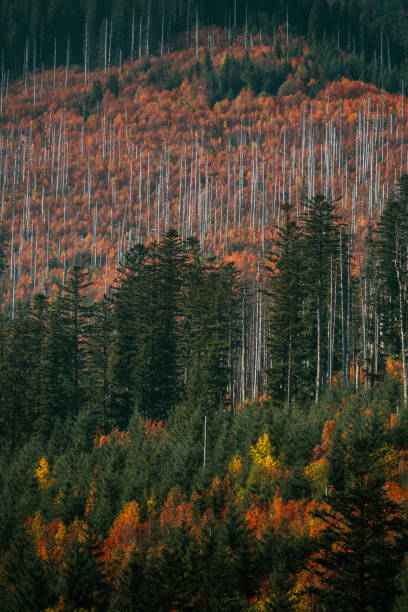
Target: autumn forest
column 204, row 306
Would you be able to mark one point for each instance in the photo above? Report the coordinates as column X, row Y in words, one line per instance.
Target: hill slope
column 89, row 168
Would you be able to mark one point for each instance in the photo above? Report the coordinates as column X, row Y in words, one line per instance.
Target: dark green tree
column 360, row 551
column 80, row 584
column 24, row 579
column 97, row 386
column 392, row 241
column 320, row 244
column 208, row 338
column 285, row 373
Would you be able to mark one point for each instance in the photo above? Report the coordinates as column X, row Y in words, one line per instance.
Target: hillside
column 87, row 169
column 203, row 306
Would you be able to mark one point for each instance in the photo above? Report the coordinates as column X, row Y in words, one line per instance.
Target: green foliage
column 80, row 584
column 24, row 579
column 113, row 84
column 363, row 544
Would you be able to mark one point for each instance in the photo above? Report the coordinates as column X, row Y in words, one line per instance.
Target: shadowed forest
column 204, row 306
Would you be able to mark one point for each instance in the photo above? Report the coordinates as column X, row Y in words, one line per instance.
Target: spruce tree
column 208, row 337
column 392, row 244
column 97, row 387
column 131, row 308
column 80, row 583
column 284, row 376
column 320, row 244
column 360, row 550
column 24, row 579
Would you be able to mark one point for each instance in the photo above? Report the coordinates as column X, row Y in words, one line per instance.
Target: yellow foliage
column 37, row 523
column 316, row 473
column 59, row 498
column 263, row 453
column 151, row 504
column 235, row 467
column 60, row 534
column 43, row 474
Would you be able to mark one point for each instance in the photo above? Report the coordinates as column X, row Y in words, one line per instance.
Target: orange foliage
column 125, row 533
column 294, row 516
column 175, row 511
column 394, row 368
column 122, row 437
column 79, row 194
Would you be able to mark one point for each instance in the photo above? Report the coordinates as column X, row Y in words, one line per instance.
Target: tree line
column 130, row 478
column 49, row 33
column 173, row 331
column 167, row 336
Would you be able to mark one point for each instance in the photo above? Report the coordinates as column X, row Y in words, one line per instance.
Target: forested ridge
column 135, row 478
column 204, row 305
column 49, row 32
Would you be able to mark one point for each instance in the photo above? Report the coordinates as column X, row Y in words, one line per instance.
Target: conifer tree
column 284, row 376
column 393, row 275
column 75, row 316
column 80, row 584
column 129, row 346
column 97, row 387
column 360, row 551
column 208, row 329
column 320, row 246
column 24, row 579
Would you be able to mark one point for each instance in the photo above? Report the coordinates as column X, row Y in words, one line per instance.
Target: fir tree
column 320, row 246
column 24, row 580
column 97, row 387
column 393, row 261
column 80, row 583
column 359, row 553
column 285, row 338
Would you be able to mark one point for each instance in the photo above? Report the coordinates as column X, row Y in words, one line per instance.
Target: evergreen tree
column 24, row 580
column 320, row 246
column 167, row 268
column 208, row 337
column 131, row 589
column 80, row 583
column 359, row 553
column 393, row 275
column 317, row 20
column 131, row 307
column 145, row 361
column 285, row 338
column 97, row 387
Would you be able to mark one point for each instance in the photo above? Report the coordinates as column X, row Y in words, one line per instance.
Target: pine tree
column 131, row 308
column 75, row 316
column 320, row 246
column 97, row 387
column 64, row 352
column 80, row 583
column 131, row 588
column 145, row 361
column 284, row 376
column 360, row 551
column 208, row 338
column 24, row 580
column 318, row 15
column 393, row 275
column 167, row 269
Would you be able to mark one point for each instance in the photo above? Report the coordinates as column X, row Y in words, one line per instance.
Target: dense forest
column 203, row 305
column 132, row 477
column 88, row 32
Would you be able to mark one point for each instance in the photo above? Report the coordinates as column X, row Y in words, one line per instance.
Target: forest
column 203, row 306
column 134, row 477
